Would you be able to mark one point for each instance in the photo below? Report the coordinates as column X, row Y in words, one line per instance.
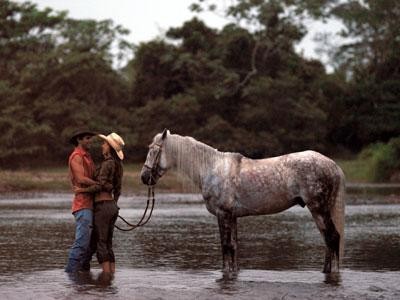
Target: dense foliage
column 56, row 74
column 242, row 88
column 382, row 161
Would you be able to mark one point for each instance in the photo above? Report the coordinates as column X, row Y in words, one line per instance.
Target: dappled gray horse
column 235, row 186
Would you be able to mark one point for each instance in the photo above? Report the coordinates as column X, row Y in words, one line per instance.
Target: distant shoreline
column 56, row 180
column 362, row 197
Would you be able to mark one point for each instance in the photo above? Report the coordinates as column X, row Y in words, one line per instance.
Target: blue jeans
column 80, row 253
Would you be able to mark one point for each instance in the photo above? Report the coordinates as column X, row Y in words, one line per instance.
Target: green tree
column 254, row 94
column 56, row 74
column 370, row 58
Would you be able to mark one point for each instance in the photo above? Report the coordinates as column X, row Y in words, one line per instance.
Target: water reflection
column 185, row 236
column 205, row 284
column 228, row 283
column 88, row 281
column 334, row 279
column 180, row 248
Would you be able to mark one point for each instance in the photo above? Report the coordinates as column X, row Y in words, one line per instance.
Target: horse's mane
column 192, row 157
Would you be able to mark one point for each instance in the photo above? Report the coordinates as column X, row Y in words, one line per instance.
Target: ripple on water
column 178, row 253
column 205, row 284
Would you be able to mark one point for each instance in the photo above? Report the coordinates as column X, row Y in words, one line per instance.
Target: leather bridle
column 155, row 168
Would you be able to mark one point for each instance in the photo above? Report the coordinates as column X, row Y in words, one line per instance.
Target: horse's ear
column 164, row 134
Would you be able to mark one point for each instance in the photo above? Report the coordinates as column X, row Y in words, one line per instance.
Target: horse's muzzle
column 147, row 177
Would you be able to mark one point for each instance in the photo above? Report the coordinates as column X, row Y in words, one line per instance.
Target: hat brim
column 119, row 152
column 73, row 141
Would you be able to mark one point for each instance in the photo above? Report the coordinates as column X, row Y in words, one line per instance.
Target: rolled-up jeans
column 80, row 253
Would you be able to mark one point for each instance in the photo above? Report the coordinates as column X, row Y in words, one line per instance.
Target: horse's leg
column 332, row 240
column 228, row 232
column 331, row 236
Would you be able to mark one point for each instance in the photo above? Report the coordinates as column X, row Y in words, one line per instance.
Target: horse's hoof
column 333, row 278
column 227, row 276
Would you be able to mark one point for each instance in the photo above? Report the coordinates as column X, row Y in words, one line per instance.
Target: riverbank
column 56, row 180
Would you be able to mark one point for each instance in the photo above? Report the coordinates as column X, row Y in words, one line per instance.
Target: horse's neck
column 193, row 158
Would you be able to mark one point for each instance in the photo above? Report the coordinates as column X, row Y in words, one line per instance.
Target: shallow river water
column 177, row 254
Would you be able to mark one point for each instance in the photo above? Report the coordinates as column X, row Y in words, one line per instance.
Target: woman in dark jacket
column 107, row 192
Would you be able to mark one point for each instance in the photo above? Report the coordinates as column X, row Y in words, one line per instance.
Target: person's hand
column 77, row 189
column 108, row 187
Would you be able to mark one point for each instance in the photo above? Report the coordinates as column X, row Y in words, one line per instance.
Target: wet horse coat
column 235, row 186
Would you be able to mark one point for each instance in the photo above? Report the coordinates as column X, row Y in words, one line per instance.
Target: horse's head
column 156, row 164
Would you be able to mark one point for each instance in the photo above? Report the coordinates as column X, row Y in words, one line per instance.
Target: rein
column 150, row 196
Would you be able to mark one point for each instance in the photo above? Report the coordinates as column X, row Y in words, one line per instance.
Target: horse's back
column 307, row 163
column 274, row 184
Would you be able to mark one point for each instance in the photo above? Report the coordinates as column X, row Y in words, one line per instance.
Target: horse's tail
column 337, row 211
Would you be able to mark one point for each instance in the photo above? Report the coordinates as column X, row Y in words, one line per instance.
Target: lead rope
column 150, row 195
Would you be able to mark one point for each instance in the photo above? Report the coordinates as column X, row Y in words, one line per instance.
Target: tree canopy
column 56, row 74
column 241, row 88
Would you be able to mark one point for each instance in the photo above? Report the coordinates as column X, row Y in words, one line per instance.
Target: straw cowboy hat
column 116, row 142
column 80, row 132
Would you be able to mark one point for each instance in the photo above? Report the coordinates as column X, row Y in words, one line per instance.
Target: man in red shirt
column 82, row 169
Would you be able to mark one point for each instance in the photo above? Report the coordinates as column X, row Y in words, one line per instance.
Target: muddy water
column 177, row 254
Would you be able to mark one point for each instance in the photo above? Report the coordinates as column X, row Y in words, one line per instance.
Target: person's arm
column 78, row 171
column 117, row 187
column 90, row 189
column 103, row 184
column 106, row 175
